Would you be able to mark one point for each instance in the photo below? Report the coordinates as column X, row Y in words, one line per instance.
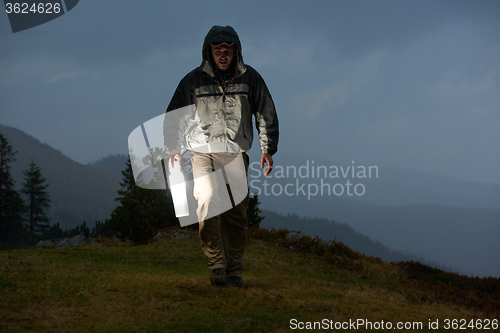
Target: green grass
column 165, row 287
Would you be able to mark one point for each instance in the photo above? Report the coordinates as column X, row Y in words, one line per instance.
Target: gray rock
column 45, row 243
column 70, row 242
column 77, row 240
column 181, row 235
column 161, row 236
column 62, row 243
column 294, row 236
column 94, row 243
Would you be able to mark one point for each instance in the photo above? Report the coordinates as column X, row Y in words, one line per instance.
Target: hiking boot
column 218, row 277
column 235, row 281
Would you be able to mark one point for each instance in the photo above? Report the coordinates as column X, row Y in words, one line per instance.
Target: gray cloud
column 407, row 83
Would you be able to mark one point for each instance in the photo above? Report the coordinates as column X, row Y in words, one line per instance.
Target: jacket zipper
column 224, row 116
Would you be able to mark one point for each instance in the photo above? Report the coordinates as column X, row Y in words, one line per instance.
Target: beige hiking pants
column 223, row 236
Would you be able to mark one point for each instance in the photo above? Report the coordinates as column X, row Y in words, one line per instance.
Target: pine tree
column 11, row 205
column 128, row 182
column 253, row 212
column 38, row 200
column 141, row 211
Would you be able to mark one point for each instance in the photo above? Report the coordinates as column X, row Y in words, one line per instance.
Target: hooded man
column 226, row 94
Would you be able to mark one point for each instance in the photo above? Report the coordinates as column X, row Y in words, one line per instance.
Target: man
column 226, row 94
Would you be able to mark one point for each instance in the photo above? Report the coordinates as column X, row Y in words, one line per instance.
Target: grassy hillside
column 164, row 287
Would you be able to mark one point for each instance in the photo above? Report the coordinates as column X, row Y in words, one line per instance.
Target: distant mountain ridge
column 78, row 193
column 112, row 165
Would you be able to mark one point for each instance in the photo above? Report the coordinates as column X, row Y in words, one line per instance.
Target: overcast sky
column 414, row 84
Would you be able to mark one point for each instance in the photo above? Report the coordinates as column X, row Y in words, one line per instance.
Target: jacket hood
column 220, row 34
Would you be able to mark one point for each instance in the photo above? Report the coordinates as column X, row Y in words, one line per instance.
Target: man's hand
column 176, row 153
column 266, row 158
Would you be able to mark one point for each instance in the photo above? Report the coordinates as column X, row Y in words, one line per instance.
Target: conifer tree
column 11, row 204
column 128, row 182
column 253, row 212
column 141, row 211
column 38, row 200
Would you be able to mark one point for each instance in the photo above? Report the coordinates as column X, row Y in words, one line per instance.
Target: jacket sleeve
column 266, row 119
column 176, row 116
column 183, row 95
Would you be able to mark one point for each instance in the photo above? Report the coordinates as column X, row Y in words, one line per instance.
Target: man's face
column 223, row 55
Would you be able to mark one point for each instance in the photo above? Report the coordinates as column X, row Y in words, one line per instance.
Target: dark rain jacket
column 226, row 103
